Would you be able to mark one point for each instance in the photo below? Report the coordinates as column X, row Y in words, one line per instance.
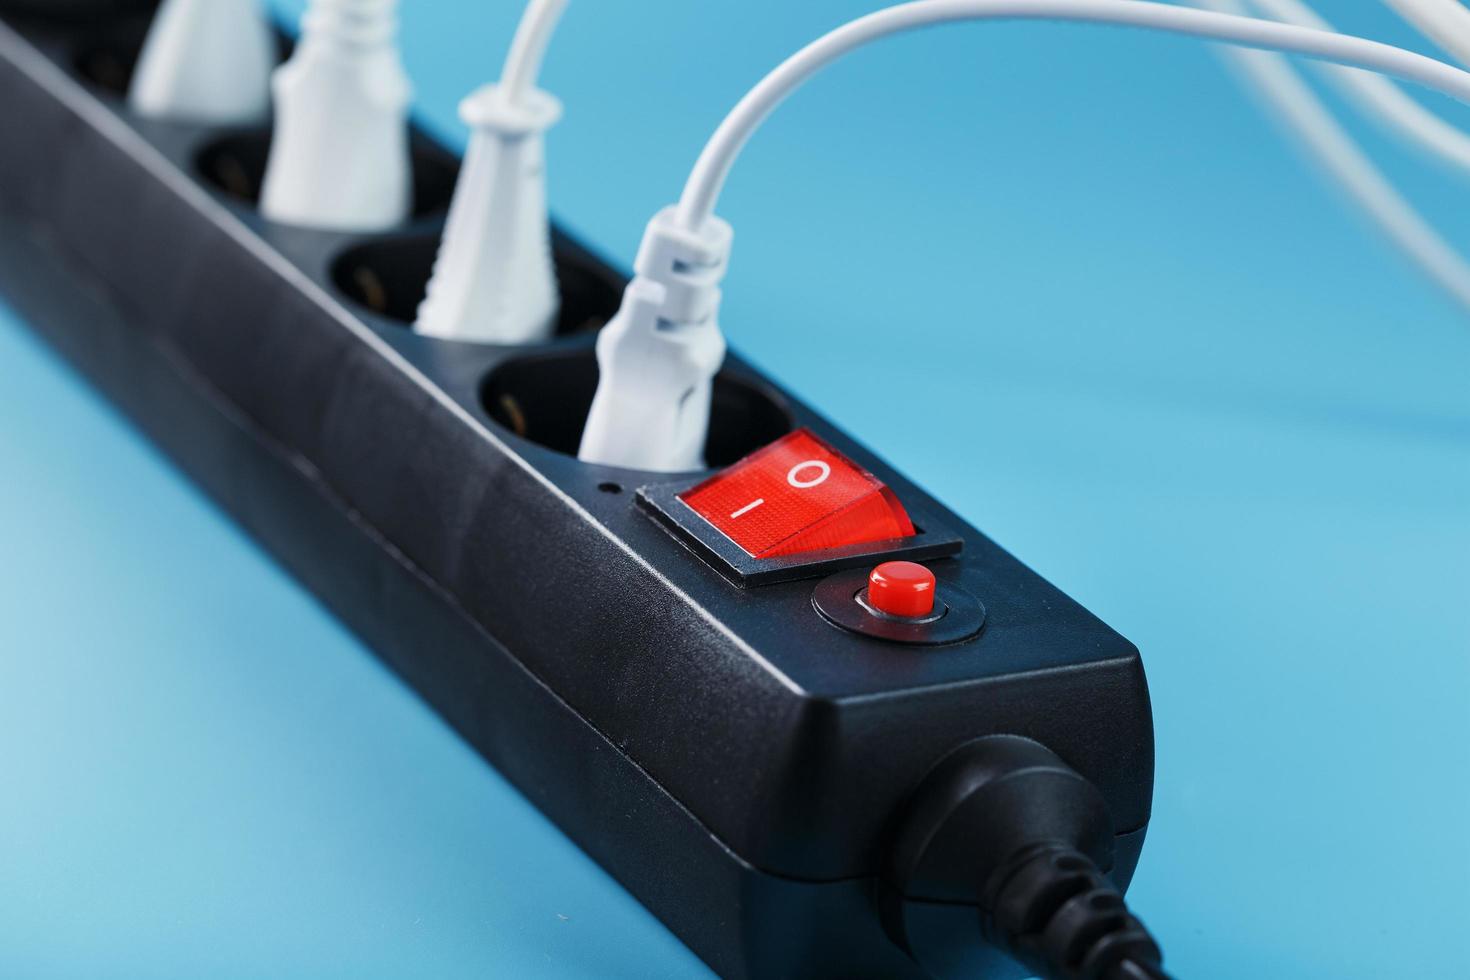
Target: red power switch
column 798, row 494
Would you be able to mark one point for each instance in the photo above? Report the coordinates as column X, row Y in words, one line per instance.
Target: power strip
column 732, row 737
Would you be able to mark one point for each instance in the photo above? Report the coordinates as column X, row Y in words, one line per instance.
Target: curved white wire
column 1445, row 22
column 708, row 176
column 528, row 48
column 1377, row 95
column 1345, row 161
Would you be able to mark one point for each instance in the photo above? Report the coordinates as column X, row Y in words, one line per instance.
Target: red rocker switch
column 798, row 494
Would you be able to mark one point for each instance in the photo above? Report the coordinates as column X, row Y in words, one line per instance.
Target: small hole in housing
column 235, row 164
column 545, row 398
column 610, row 487
column 390, row 276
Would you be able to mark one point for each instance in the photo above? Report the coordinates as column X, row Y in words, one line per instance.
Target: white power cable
column 528, row 47
column 1445, row 22
column 1344, row 160
column 659, row 354
column 708, row 177
column 1377, row 95
column 494, row 279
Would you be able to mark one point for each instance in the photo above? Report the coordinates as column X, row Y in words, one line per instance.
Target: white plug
column 659, row 354
column 206, row 61
column 494, row 280
column 339, row 156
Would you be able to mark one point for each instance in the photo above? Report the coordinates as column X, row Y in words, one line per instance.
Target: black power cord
column 1006, row 832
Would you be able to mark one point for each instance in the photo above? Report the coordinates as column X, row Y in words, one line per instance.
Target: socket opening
column 108, row 62
column 545, row 397
column 75, row 9
column 235, row 164
column 90, row 11
column 389, row 276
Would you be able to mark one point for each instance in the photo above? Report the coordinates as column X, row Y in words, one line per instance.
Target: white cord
column 708, row 177
column 528, row 49
column 1344, row 160
column 1378, row 96
column 1445, row 22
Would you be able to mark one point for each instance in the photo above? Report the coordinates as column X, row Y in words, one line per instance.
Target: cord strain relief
column 1054, row 910
column 687, row 265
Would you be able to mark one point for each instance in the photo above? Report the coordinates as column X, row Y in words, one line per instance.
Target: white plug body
column 340, row 154
column 494, row 280
column 206, row 61
column 659, row 354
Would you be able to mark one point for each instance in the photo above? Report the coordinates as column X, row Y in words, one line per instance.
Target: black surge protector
column 693, row 723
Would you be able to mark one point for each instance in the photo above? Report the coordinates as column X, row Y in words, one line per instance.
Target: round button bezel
column 840, row 599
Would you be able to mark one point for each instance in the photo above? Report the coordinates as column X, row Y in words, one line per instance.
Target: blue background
column 1069, row 278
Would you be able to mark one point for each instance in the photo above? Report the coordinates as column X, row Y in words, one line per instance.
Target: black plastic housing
column 732, row 757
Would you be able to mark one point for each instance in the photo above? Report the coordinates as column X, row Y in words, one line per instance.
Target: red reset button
column 798, row 494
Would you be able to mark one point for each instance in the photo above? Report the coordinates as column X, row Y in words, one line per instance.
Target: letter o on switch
column 822, row 469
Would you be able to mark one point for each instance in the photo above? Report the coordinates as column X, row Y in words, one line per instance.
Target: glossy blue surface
column 1134, row 339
